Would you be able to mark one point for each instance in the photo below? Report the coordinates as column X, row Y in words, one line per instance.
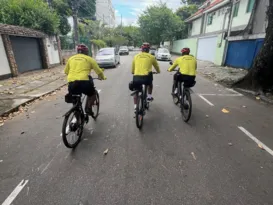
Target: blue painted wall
column 241, row 54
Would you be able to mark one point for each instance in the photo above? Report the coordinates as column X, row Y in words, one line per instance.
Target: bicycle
column 179, row 98
column 78, row 118
column 142, row 104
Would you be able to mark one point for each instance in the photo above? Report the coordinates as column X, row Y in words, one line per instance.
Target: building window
column 210, row 18
column 236, row 9
column 250, row 5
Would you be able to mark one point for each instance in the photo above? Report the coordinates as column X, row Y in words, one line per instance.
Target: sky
column 130, row 9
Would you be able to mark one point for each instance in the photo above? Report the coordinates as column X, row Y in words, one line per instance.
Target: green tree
column 64, row 11
column 87, row 8
column 158, row 24
column 33, row 14
column 185, row 12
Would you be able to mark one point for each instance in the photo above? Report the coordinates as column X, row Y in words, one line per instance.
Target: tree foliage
column 185, row 12
column 158, row 23
column 33, row 14
column 87, row 8
column 64, row 11
column 99, row 43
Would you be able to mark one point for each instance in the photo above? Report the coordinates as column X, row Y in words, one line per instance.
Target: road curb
column 15, row 108
column 251, row 93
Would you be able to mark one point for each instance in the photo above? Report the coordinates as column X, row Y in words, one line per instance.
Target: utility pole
column 75, row 4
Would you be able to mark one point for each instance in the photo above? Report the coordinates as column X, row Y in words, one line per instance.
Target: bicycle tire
column 78, row 115
column 175, row 96
column 139, row 112
column 186, row 93
column 96, row 114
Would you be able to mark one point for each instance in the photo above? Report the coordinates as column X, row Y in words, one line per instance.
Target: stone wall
column 10, row 55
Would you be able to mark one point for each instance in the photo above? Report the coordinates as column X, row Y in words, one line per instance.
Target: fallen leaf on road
column 32, row 112
column 244, row 106
column 1, row 161
column 10, row 92
column 258, row 98
column 207, row 115
column 193, row 155
column 230, row 144
column 106, row 152
column 22, row 133
column 261, row 167
column 261, row 146
column 1, row 124
column 225, row 110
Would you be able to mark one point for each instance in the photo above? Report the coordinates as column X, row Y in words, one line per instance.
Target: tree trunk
column 260, row 75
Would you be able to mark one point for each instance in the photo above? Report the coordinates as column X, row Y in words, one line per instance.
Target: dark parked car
column 152, row 51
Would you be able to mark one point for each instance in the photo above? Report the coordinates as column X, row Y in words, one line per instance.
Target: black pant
column 139, row 80
column 189, row 81
column 81, row 86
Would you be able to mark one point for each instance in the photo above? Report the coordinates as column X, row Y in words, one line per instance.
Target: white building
column 105, row 12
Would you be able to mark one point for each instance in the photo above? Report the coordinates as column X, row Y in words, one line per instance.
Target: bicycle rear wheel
column 96, row 106
column 73, row 122
column 186, row 105
column 139, row 112
column 175, row 96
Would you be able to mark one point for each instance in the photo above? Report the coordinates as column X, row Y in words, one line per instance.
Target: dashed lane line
column 259, row 143
column 206, row 100
column 15, row 192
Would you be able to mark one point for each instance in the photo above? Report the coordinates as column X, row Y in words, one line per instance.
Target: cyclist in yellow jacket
column 142, row 70
column 78, row 69
column 187, row 69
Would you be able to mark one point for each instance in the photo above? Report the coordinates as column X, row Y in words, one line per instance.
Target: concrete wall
column 190, row 43
column 52, row 50
column 220, row 50
column 260, row 19
column 4, row 67
column 217, row 22
column 243, row 17
column 196, row 27
column 105, row 12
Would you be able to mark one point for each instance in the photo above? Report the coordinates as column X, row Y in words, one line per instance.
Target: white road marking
column 15, row 192
column 59, row 145
column 47, row 166
column 266, row 148
column 233, row 91
column 232, row 95
column 203, row 98
column 99, row 91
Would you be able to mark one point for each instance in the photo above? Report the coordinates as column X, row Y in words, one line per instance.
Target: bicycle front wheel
column 186, row 105
column 72, row 129
column 96, row 106
column 139, row 112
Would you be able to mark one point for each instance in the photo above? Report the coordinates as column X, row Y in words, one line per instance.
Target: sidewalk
column 27, row 87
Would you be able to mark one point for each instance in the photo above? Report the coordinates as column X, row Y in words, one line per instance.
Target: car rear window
column 105, row 52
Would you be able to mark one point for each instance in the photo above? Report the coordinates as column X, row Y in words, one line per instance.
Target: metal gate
column 241, row 54
column 207, row 48
column 27, row 53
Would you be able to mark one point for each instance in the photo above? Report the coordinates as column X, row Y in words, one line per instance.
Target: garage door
column 27, row 53
column 207, row 48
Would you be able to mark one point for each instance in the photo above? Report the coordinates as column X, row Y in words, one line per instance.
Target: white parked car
column 108, row 57
column 163, row 54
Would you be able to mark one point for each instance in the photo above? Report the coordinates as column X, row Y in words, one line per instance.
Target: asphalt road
column 214, row 159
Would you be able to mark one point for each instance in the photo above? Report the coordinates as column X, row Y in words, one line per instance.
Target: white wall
column 243, row 17
column 52, row 49
column 196, row 27
column 217, row 22
column 4, row 66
